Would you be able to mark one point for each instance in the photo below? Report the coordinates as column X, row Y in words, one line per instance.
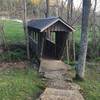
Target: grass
column 16, row 84
column 91, row 85
column 91, row 89
column 14, row 31
column 77, row 34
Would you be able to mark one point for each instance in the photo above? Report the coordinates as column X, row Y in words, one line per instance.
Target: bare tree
column 47, row 8
column 69, row 20
column 80, row 68
column 25, row 28
column 3, row 40
column 94, row 25
column 71, row 17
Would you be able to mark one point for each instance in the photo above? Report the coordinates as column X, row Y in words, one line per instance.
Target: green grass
column 14, row 31
column 23, row 84
column 91, row 85
column 77, row 34
column 91, row 89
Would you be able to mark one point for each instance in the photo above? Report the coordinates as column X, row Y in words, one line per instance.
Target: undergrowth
column 15, row 55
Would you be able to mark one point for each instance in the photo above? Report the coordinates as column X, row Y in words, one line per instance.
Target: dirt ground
column 20, row 65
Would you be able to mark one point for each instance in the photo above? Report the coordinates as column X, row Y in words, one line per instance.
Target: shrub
column 97, row 59
column 15, row 55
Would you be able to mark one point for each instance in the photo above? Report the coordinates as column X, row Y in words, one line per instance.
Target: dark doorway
column 50, row 45
column 54, row 45
column 60, row 43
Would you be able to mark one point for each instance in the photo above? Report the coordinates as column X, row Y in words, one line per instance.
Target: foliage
column 70, row 62
column 15, row 55
column 35, row 2
column 23, row 84
column 77, row 34
column 92, row 54
column 97, row 59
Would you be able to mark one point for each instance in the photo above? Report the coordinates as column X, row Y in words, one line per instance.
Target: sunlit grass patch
column 14, row 32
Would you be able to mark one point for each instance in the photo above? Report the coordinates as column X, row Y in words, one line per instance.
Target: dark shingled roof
column 42, row 24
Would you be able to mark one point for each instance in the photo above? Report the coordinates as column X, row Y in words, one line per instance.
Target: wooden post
column 67, row 48
column 42, row 46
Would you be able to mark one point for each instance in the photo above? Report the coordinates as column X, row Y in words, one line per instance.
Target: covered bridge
column 48, row 36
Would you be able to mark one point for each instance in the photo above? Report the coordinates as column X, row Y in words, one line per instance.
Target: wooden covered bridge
column 48, row 36
column 47, row 39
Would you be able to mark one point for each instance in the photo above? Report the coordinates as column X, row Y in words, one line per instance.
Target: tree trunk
column 69, row 20
column 57, row 8
column 73, row 40
column 73, row 43
column 71, row 10
column 68, row 41
column 94, row 27
column 68, row 11
column 47, row 9
column 80, row 68
column 25, row 29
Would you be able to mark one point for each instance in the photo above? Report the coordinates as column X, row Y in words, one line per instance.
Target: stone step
column 59, row 94
column 48, row 65
column 60, row 84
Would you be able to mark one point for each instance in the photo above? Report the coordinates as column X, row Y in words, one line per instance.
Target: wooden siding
column 57, row 27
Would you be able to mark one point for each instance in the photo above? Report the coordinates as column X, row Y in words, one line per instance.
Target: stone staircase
column 55, row 71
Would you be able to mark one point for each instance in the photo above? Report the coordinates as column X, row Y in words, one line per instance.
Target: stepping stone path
column 58, row 87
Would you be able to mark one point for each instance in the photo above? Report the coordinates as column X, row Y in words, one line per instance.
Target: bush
column 97, row 59
column 70, row 63
column 15, row 55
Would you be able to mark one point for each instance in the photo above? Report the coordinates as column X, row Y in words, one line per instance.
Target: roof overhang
column 52, row 23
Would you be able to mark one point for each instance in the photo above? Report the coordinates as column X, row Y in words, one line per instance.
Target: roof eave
column 48, row 25
column 70, row 27
column 59, row 19
column 35, row 29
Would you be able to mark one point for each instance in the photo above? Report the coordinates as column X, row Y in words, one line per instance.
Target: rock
column 67, row 79
column 53, row 75
column 60, row 84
